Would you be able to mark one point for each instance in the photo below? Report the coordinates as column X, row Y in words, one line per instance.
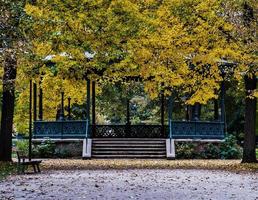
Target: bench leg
column 23, row 169
column 38, row 168
column 34, row 168
column 18, row 168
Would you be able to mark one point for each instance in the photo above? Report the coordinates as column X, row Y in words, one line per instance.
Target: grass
column 257, row 153
column 7, row 169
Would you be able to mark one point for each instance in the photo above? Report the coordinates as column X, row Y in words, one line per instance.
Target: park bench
column 25, row 161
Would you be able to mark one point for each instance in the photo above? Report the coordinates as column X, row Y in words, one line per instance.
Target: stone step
column 128, row 156
column 129, row 139
column 128, row 142
column 128, row 152
column 127, row 148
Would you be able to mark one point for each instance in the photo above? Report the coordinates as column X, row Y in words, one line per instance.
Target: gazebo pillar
column 40, row 103
column 162, row 113
column 69, row 108
column 222, row 103
column 30, row 121
column 62, row 107
column 88, row 102
column 170, row 116
column 93, row 107
column 216, row 109
column 128, row 112
column 34, row 102
column 197, row 111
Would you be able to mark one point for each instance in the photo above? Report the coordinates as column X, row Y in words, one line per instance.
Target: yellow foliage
column 170, row 44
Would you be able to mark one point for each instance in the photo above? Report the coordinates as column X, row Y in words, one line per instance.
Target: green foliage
column 185, row 151
column 211, row 151
column 6, row 168
column 229, row 149
column 225, row 150
column 45, row 149
column 23, row 147
column 62, row 153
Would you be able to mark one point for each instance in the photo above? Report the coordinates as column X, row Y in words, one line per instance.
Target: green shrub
column 229, row 149
column 211, row 151
column 62, row 153
column 185, row 151
column 45, row 149
column 23, row 147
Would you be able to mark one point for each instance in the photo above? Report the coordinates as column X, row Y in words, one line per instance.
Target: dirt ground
column 131, row 184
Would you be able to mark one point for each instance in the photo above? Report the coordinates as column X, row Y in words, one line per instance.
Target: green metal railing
column 62, row 129
column 175, row 130
column 196, row 129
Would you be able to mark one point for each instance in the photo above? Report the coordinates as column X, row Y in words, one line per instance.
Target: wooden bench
column 24, row 161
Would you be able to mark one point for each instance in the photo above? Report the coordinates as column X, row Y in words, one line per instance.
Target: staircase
column 128, row 148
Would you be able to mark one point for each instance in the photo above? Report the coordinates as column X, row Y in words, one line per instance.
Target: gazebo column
column 62, row 107
column 69, row 108
column 222, row 103
column 197, row 111
column 162, row 113
column 216, row 109
column 128, row 112
column 187, row 117
column 170, row 108
column 30, row 121
column 128, row 122
column 40, row 103
column 34, row 102
column 88, row 102
column 93, row 107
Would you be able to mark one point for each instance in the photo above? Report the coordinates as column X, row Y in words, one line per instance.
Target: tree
column 243, row 16
column 249, row 21
column 11, row 13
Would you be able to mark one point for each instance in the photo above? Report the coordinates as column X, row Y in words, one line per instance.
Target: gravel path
column 131, row 184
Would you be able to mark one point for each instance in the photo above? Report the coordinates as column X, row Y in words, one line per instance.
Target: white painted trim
column 86, row 149
column 198, row 140
column 170, row 148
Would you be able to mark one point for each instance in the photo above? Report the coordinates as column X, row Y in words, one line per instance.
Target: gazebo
column 191, row 128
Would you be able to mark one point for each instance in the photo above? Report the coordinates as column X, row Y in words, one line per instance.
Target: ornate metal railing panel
column 60, row 129
column 197, row 130
column 180, row 130
column 132, row 131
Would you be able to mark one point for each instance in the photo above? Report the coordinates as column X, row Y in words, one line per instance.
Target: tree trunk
column 250, row 120
column 8, row 98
